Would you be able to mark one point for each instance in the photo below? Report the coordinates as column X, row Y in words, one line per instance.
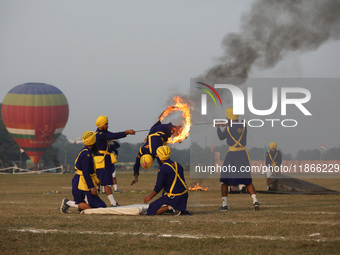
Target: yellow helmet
column 230, row 115
column 101, row 121
column 163, row 152
column 272, row 145
column 89, row 138
column 146, row 161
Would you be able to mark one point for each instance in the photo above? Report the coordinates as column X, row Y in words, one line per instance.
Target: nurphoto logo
column 295, row 96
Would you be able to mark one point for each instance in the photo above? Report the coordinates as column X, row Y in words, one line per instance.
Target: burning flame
column 185, row 108
column 197, row 187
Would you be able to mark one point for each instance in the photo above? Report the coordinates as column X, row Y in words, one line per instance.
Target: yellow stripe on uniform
column 170, row 194
column 273, row 163
column 82, row 183
column 238, row 142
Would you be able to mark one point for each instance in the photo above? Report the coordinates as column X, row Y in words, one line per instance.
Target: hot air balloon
column 35, row 114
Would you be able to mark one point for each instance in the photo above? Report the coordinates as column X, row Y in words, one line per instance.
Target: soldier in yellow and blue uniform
column 105, row 158
column 114, row 147
column 157, row 136
column 85, row 181
column 237, row 159
column 170, row 178
column 273, row 161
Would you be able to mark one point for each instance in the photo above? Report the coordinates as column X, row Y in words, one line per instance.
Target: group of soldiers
column 94, row 166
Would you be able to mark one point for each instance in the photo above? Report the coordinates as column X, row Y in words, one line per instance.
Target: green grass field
column 31, row 222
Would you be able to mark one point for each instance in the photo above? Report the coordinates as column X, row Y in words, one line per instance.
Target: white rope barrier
column 17, row 170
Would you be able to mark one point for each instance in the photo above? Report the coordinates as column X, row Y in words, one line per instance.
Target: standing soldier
column 114, row 146
column 237, row 158
column 273, row 161
column 105, row 158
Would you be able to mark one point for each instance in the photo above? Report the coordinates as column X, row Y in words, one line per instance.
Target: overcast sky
column 124, row 58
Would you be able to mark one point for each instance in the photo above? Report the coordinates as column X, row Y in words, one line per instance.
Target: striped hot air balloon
column 35, row 114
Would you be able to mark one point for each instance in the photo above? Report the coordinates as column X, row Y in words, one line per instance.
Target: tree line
column 63, row 152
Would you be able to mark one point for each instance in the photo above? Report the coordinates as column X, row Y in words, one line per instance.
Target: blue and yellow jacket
column 171, row 178
column 236, row 135
column 157, row 136
column 105, row 156
column 273, row 158
column 86, row 169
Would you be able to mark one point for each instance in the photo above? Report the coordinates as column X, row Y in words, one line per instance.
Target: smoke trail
column 269, row 31
column 272, row 29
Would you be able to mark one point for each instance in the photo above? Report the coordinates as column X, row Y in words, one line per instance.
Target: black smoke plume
column 272, row 29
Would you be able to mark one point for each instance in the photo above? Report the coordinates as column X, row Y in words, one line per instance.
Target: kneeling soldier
column 171, row 178
column 85, row 181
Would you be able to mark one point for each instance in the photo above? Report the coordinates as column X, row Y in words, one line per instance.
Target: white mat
column 136, row 209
